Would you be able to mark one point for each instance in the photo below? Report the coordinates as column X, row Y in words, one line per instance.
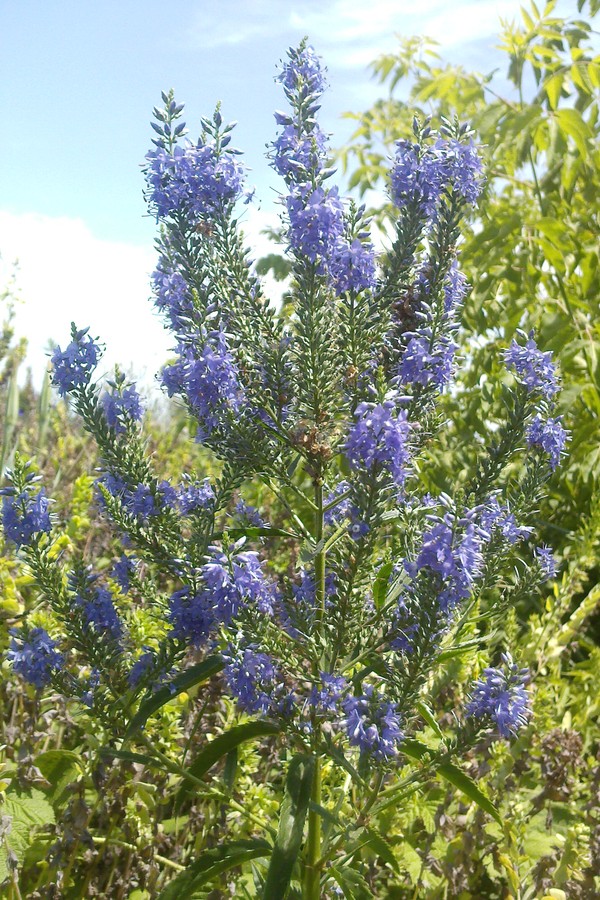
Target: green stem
column 312, row 878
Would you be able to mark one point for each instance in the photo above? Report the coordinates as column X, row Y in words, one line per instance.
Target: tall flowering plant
column 331, row 403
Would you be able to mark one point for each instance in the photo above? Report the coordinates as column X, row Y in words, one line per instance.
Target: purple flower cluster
column 303, row 75
column 25, row 515
column 210, row 382
column 122, row 571
column 428, row 356
column 546, row 561
column 497, row 515
column 141, row 668
column 500, row 697
column 549, row 435
column 316, row 216
column 122, row 407
column 379, row 437
column 342, row 508
column 452, row 549
column 373, row 724
column 327, row 696
column 248, row 514
column 35, row 657
column 230, row 584
column 100, row 614
column 533, row 368
column 195, row 495
column 352, row 267
column 196, row 181
column 191, row 616
column 317, row 232
column 316, row 221
column 298, row 153
column 422, row 174
column 297, row 614
column 172, row 294
column 72, row 367
column 139, row 501
column 426, row 361
column 254, row 680
column 233, row 583
column 407, row 625
column 455, row 289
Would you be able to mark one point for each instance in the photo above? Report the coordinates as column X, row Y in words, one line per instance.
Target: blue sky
column 77, row 84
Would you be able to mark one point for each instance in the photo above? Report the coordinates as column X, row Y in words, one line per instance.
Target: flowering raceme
column 327, row 610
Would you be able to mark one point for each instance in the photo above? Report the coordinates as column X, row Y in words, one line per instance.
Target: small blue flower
column 122, row 406
column 352, row 267
column 533, row 368
column 194, row 181
column 549, row 435
column 379, row 438
column 195, row 495
column 298, row 153
column 341, row 510
column 546, row 562
column 122, row 571
column 72, row 367
column 191, row 616
column 373, row 724
column 316, row 222
column 498, row 516
column 25, row 515
column 172, row 295
column 326, row 697
column 141, row 503
column 428, row 362
column 500, row 697
column 99, row 612
column 209, row 379
column 254, row 680
column 35, row 656
column 248, row 514
column 303, row 74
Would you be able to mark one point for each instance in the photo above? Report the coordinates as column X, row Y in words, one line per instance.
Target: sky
column 78, row 81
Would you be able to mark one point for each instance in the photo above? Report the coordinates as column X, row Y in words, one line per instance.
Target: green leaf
column 415, row 749
column 428, row 717
column 60, row 768
column 224, row 744
column 381, row 584
column 26, row 811
column 182, row 682
column 211, row 863
column 129, row 756
column 352, row 883
column 574, row 126
column 468, row 787
column 380, row 846
column 553, row 88
column 291, row 826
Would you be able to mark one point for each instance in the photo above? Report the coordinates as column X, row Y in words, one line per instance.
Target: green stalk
column 312, row 877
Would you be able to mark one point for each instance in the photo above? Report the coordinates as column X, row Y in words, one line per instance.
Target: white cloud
column 67, row 274
column 345, row 22
column 351, row 33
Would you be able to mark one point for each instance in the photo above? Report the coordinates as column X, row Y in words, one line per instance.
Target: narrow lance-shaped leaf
column 468, row 787
column 291, row 827
column 182, row 682
column 212, row 863
column 224, row 744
